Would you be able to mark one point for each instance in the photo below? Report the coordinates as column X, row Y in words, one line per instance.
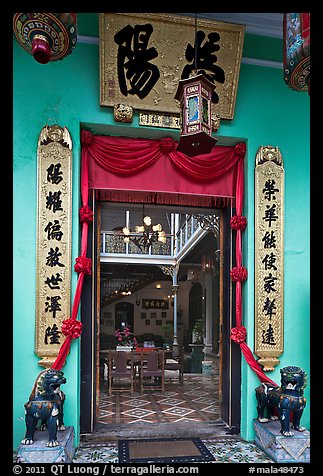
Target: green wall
column 67, row 93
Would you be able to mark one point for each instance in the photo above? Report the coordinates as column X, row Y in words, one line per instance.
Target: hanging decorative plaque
column 269, row 256
column 53, row 252
column 144, row 55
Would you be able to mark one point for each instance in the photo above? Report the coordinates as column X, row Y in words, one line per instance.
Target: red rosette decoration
column 86, row 214
column 238, row 273
column 238, row 334
column 83, row 265
column 238, row 222
column 86, row 137
column 167, row 144
column 72, row 328
column 240, row 149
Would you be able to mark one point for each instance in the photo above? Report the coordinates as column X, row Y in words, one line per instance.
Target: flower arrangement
column 125, row 337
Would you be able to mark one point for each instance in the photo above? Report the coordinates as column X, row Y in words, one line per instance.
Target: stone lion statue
column 46, row 404
column 287, row 399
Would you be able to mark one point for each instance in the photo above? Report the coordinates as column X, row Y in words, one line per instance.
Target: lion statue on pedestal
column 287, row 399
column 46, row 404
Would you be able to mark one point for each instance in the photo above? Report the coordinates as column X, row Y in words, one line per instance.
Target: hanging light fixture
column 46, row 36
column 207, row 264
column 145, row 235
column 194, row 95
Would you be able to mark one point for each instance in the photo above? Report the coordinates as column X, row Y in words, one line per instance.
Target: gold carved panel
column 143, row 56
column 269, row 256
column 53, row 248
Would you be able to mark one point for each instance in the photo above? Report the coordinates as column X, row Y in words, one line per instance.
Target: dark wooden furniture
column 176, row 364
column 151, row 370
column 120, row 366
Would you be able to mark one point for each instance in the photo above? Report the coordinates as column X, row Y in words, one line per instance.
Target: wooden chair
column 120, row 366
column 176, row 364
column 152, row 366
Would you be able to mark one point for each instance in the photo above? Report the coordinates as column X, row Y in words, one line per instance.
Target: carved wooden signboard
column 53, row 252
column 143, row 57
column 269, row 256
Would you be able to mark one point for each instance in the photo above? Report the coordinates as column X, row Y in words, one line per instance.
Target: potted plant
column 125, row 340
column 198, row 332
column 168, row 334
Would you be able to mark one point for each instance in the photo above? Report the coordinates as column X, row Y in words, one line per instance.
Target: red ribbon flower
column 240, row 149
column 238, row 222
column 72, row 328
column 238, row 334
column 238, row 273
column 86, row 137
column 83, row 265
column 86, row 214
column 167, row 144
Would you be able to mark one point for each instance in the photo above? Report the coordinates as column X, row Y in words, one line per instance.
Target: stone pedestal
column 197, row 357
column 282, row 449
column 39, row 452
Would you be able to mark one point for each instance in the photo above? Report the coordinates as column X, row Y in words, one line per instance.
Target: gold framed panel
column 53, row 249
column 269, row 256
column 162, row 46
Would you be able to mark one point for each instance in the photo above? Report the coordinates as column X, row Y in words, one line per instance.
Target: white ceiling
column 263, row 24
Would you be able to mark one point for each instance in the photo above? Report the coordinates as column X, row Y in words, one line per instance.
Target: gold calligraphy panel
column 53, row 249
column 143, row 56
column 269, row 256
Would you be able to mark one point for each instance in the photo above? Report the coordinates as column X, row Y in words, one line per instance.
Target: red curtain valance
column 122, row 163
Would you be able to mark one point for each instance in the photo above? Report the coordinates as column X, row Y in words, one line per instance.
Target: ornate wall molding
column 53, row 249
column 269, row 256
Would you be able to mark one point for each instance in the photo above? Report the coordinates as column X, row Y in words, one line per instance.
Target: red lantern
column 194, row 95
column 46, row 36
column 297, row 41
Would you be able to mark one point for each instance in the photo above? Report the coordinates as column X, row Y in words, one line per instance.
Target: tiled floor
column 195, row 400
column 224, row 450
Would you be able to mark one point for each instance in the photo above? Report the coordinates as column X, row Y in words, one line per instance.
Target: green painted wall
column 67, row 93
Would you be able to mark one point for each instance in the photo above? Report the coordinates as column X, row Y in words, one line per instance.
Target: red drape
column 122, row 163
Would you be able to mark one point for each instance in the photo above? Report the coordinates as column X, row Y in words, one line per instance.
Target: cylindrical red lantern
column 46, row 36
column 297, row 41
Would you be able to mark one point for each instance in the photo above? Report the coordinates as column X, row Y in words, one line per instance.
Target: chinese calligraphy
column 134, row 60
column 269, row 187
column 54, row 240
column 145, row 55
column 205, row 60
column 154, row 304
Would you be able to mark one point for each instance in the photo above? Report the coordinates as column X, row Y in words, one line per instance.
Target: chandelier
column 144, row 235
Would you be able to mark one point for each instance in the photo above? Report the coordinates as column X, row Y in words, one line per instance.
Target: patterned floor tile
column 197, row 397
column 224, row 450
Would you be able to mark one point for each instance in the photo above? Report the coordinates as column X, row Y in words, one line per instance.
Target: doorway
column 189, row 305
column 124, row 315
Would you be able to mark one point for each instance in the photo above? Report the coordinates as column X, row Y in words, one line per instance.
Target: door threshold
column 105, row 432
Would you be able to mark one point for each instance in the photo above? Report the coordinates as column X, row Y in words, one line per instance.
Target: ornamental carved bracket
column 269, row 256
column 53, row 249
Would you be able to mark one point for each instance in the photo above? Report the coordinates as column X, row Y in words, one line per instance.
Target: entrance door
column 229, row 356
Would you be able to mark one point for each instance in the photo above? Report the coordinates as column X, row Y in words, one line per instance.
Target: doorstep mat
column 163, row 450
